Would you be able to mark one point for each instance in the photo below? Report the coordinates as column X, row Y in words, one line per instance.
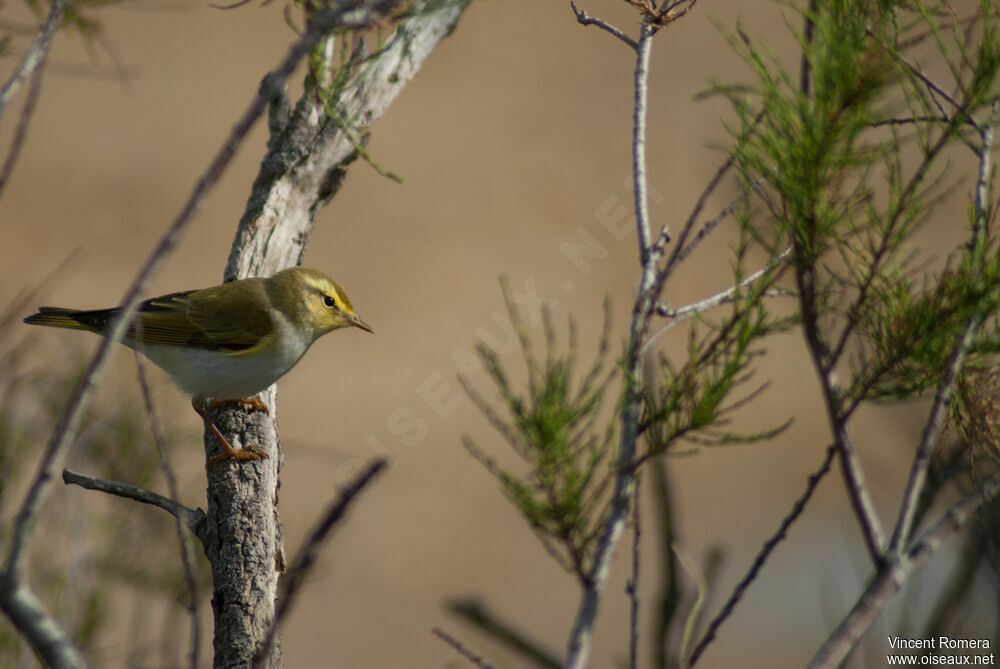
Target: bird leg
column 246, row 453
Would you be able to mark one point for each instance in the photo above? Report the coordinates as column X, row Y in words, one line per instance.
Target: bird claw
column 228, row 452
column 244, row 454
column 249, row 403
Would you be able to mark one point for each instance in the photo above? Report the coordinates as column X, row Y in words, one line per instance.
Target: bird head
column 313, row 301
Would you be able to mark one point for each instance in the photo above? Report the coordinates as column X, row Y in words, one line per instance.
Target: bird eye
column 329, row 301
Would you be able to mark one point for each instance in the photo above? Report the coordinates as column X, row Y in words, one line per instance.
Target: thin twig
column 692, row 219
column 826, row 358
column 580, row 638
column 681, row 314
column 763, row 555
column 669, row 11
column 688, row 311
column 187, row 554
column 632, row 588
column 193, row 519
column 477, row 614
column 461, row 649
column 35, row 56
column 306, row 558
column 683, row 248
column 911, row 120
column 805, row 69
column 934, row 88
column 860, row 497
column 21, row 132
column 942, row 400
column 824, row 362
column 639, row 185
column 896, row 213
column 585, row 19
column 928, row 440
column 854, row 478
column 981, row 199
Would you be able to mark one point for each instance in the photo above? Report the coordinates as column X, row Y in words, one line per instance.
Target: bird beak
column 358, row 323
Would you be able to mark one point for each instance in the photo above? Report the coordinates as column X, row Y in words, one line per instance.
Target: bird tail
column 74, row 319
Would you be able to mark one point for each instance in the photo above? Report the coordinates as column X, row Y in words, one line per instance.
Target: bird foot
column 249, row 403
column 248, row 452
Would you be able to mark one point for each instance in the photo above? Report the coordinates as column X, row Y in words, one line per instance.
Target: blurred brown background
column 513, row 139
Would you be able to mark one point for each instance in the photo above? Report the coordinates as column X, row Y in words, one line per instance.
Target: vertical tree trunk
column 244, row 536
column 305, row 164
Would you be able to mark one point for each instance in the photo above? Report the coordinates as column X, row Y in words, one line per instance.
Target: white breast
column 221, row 375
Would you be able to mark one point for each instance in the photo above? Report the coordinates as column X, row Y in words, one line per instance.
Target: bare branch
column 682, row 249
column 21, row 132
column 805, row 69
column 911, row 120
column 632, row 587
column 891, row 576
column 854, row 479
column 894, row 216
column 187, row 554
column 763, row 555
column 938, row 413
column 307, row 555
column 585, row 19
column 641, row 82
column 44, row 634
column 193, row 519
column 477, row 614
column 580, row 637
column 833, row 401
column 461, row 649
column 34, row 58
column 934, row 88
column 928, row 439
column 681, row 314
column 673, row 10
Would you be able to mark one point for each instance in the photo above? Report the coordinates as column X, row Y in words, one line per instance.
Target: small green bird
column 227, row 342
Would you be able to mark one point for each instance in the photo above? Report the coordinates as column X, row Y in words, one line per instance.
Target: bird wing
column 229, row 318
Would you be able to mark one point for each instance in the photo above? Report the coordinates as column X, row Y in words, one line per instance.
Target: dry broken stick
column 193, row 519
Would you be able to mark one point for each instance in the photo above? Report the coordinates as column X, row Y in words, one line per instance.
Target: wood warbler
column 227, row 342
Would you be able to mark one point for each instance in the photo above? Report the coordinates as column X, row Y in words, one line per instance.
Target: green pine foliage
column 840, row 194
column 557, row 428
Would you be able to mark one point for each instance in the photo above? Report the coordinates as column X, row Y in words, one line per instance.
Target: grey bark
column 243, row 538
